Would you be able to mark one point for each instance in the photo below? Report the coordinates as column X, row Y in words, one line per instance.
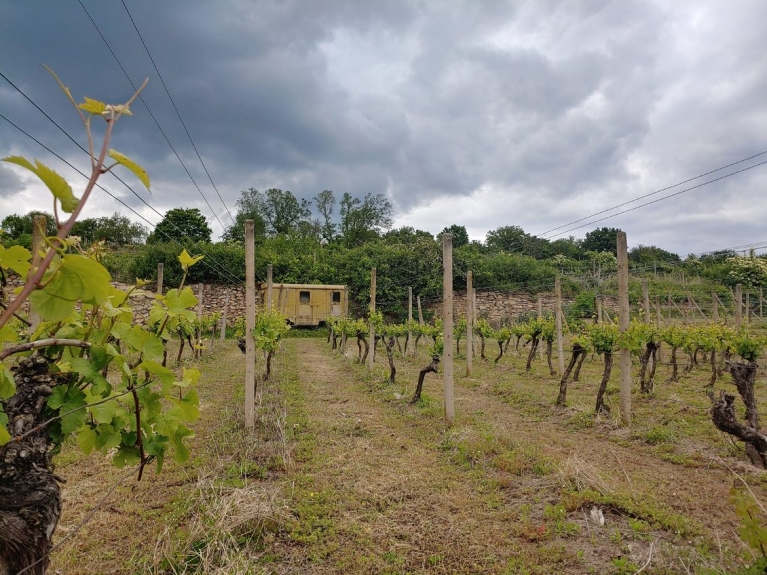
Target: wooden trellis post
column 623, row 325
column 372, row 352
column 250, row 323
column 469, row 323
column 447, row 323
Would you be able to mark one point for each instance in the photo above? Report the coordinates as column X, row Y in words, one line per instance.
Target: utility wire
column 177, row 111
column 151, row 114
column 221, row 269
column 661, row 199
column 652, row 193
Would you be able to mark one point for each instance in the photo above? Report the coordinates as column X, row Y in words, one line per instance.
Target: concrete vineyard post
column 560, row 343
column 469, row 322
column 222, row 335
column 623, row 325
column 540, row 317
column 250, row 324
column 447, row 324
column 409, row 347
column 420, row 313
column 372, row 335
column 715, row 309
column 160, row 273
column 599, row 308
column 200, row 293
column 646, row 301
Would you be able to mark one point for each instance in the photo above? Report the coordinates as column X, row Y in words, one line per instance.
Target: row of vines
column 720, row 349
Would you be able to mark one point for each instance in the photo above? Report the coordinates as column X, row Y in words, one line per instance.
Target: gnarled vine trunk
column 578, row 351
column 601, row 406
column 431, row 368
column 30, row 500
column 646, row 383
column 389, row 343
column 533, row 349
column 549, row 345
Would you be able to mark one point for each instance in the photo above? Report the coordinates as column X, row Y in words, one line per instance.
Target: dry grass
column 342, row 475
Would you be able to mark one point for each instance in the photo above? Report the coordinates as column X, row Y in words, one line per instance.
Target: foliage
column 114, row 230
column 364, row 219
column 114, row 395
column 601, row 240
column 179, row 225
column 750, row 271
column 459, row 233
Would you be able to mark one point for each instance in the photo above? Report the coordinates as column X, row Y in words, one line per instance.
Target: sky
column 478, row 113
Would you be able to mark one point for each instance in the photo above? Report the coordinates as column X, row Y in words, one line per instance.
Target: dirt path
column 397, row 505
column 402, row 494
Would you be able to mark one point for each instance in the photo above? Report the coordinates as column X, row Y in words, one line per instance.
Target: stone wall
column 214, row 299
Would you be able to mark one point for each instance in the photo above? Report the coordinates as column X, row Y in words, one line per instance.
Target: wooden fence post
column 447, row 324
column 469, row 322
column 250, row 323
column 738, row 304
column 623, row 325
column 372, row 352
column 269, row 284
column 560, row 343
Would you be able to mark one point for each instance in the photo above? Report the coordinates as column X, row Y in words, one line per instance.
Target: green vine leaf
column 58, row 186
column 93, row 106
column 137, row 170
column 7, row 384
column 77, row 278
column 188, row 261
column 5, row 437
column 15, row 258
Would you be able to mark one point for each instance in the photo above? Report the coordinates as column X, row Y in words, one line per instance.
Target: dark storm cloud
column 10, row 183
column 552, row 109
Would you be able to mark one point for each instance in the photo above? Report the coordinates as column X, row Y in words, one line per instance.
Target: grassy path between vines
column 343, row 475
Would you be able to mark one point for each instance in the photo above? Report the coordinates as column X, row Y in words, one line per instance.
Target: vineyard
column 462, row 444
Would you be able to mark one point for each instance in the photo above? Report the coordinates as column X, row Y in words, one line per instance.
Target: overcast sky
column 477, row 113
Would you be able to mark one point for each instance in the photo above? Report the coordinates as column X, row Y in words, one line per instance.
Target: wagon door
column 304, row 308
column 335, row 304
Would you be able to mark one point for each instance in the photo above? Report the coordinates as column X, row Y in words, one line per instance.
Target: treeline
column 330, row 241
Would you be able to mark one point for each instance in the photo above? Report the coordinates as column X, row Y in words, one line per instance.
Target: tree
column 114, row 230
column 181, row 224
column 460, row 235
column 601, row 240
column 325, row 202
column 364, row 219
column 405, row 234
column 18, row 229
column 283, row 212
column 248, row 208
column 648, row 255
column 514, row 239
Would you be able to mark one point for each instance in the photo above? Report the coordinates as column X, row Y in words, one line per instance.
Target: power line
column 220, row 269
column 142, row 200
column 151, row 114
column 162, row 81
column 661, row 199
column 652, row 193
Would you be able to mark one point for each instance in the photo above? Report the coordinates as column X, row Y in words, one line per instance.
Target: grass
column 342, row 474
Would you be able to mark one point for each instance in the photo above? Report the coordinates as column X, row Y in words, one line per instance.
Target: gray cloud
column 551, row 110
